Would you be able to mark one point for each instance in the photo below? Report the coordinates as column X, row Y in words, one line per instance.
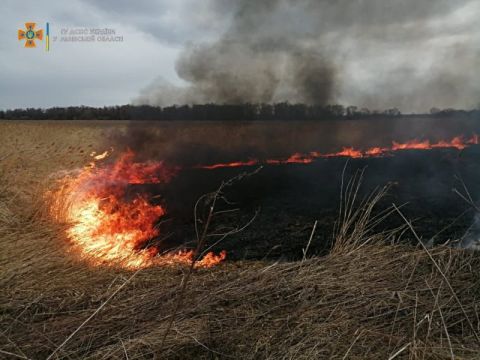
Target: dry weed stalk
column 356, row 223
column 210, row 201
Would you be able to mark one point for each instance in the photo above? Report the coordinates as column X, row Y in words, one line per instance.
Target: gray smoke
column 412, row 54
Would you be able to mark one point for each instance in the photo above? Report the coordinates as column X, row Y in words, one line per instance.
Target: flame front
column 458, row 142
column 110, row 226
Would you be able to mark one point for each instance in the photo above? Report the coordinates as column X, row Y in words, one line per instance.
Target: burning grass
column 110, row 226
column 365, row 300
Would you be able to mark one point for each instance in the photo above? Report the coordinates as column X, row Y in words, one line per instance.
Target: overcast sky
column 95, row 73
column 436, row 53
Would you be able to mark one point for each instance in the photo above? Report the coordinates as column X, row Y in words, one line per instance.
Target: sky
column 421, row 54
column 100, row 73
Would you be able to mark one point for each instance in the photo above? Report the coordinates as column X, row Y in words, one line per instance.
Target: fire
column 232, row 164
column 111, row 226
column 101, row 156
column 457, row 142
column 208, row 261
column 348, row 152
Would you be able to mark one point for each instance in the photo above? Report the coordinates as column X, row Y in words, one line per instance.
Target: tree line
column 212, row 112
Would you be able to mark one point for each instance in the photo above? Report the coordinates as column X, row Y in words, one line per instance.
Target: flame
column 208, row 261
column 101, row 156
column 457, row 142
column 110, row 226
column 232, row 164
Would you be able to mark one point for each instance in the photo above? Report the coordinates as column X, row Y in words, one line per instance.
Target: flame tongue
column 109, row 227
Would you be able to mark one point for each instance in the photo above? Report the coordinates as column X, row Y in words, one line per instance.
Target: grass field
column 365, row 300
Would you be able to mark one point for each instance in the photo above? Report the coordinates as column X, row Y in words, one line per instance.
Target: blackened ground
column 291, row 197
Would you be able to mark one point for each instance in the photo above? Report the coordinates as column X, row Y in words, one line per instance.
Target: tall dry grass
column 368, row 299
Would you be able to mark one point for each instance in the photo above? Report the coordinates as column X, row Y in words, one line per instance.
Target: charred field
column 365, row 289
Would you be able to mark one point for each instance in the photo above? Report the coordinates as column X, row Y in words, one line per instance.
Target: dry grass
column 366, row 300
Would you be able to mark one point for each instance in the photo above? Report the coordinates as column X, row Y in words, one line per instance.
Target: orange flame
column 457, row 142
column 109, row 226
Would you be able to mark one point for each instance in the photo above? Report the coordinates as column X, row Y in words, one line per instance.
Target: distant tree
column 265, row 112
column 365, row 111
column 392, row 112
column 214, row 112
column 336, row 110
column 351, row 111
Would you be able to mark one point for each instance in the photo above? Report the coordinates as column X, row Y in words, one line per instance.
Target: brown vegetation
column 365, row 300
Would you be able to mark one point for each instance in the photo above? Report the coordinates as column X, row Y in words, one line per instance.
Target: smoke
column 412, row 54
column 254, row 61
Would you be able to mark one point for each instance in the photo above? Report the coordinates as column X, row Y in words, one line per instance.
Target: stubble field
column 370, row 297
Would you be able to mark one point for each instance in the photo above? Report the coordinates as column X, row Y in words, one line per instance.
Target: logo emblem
column 30, row 35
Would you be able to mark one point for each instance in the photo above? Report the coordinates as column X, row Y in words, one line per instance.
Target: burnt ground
column 291, row 197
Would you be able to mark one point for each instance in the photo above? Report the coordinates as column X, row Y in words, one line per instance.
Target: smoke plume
column 254, row 61
column 376, row 53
